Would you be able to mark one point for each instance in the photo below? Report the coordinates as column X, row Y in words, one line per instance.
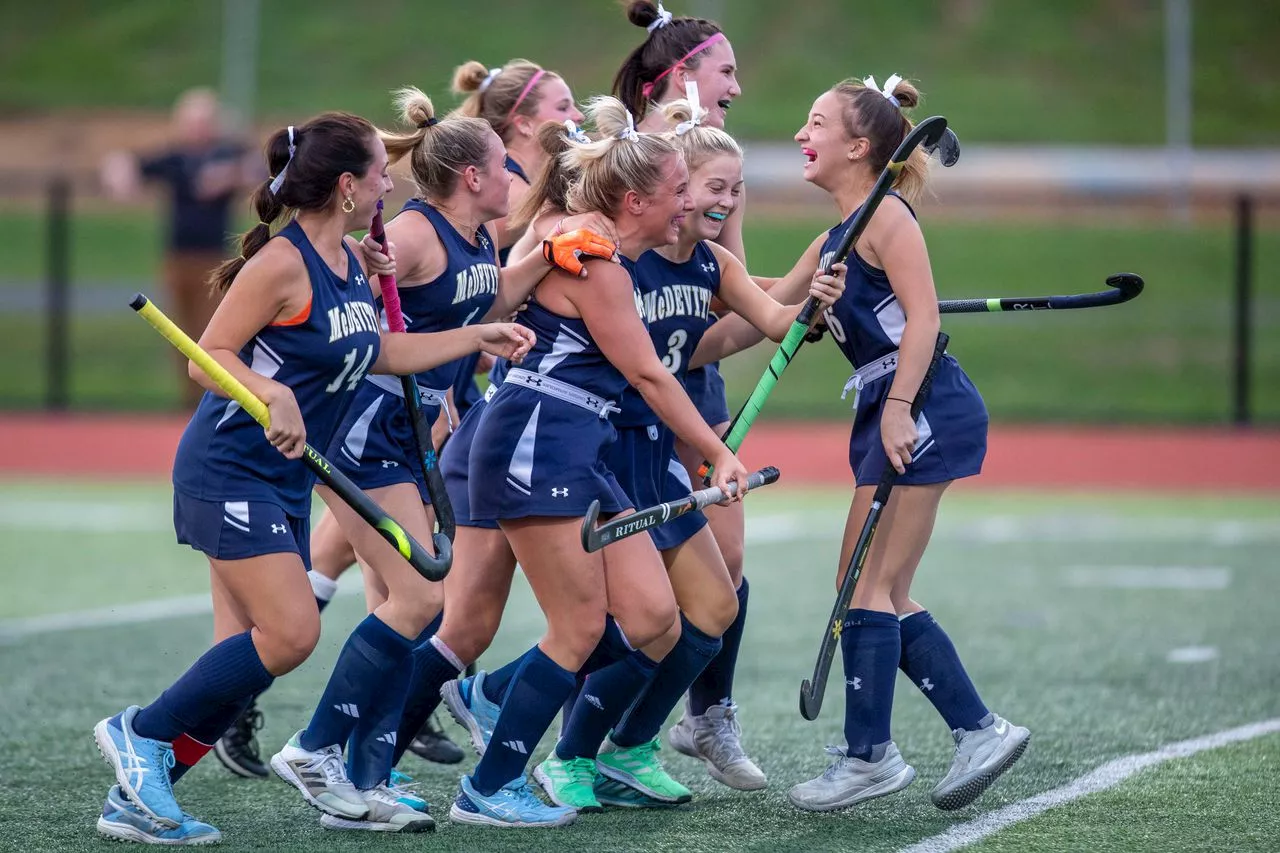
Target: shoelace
column 330, row 763
column 725, row 742
column 581, row 770
column 246, row 728
column 835, row 766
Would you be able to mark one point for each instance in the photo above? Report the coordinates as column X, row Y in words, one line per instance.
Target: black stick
column 594, row 538
column 1125, row 286
column 812, row 691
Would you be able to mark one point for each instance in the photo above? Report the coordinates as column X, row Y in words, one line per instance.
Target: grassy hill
column 1004, row 70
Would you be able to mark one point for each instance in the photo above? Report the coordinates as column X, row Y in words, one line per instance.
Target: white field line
column 1107, row 776
column 1192, row 654
column 126, row 614
column 1149, row 577
column 139, row 516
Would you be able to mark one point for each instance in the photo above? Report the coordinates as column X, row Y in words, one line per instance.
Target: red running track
column 807, row 453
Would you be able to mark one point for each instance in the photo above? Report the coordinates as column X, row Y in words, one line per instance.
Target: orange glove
column 567, row 250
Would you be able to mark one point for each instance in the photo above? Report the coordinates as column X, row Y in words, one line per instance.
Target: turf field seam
column 1100, row 779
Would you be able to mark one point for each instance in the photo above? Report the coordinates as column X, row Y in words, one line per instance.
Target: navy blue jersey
column 322, row 356
column 675, row 301
column 459, row 296
column 566, row 351
column 866, row 322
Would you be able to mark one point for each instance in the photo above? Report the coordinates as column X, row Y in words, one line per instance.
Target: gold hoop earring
column 348, row 206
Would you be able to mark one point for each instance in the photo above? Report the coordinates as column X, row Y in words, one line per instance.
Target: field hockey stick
column 431, row 568
column 443, row 540
column 813, row 690
column 1124, row 286
column 594, row 538
column 928, row 132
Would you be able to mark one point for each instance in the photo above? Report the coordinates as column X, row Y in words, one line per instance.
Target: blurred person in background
column 204, row 171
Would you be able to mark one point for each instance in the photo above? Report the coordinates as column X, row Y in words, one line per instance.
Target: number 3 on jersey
column 351, row 377
column 674, row 357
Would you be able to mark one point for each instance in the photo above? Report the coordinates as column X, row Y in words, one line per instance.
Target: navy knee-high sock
column 612, row 647
column 372, row 652
column 228, row 672
column 372, row 749
column 189, row 747
column 433, row 664
column 677, row 671
column 715, row 685
column 536, row 694
column 870, row 643
column 605, row 697
column 929, row 659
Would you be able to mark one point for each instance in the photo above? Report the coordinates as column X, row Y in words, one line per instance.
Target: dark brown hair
column 664, row 47
column 325, row 148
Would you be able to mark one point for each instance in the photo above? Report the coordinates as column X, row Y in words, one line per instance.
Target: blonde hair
column 620, row 160
column 867, row 112
column 699, row 143
column 512, row 91
column 550, row 187
column 438, row 149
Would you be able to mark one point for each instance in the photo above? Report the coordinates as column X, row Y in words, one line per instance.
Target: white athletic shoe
column 849, row 781
column 388, row 812
column 981, row 756
column 716, row 738
column 321, row 776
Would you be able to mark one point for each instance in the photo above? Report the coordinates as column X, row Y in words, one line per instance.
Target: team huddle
column 599, row 274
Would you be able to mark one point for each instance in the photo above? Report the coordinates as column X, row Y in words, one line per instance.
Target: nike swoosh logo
column 1000, row 727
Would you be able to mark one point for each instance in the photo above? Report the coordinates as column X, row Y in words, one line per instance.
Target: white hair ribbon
column 278, row 181
column 488, row 80
column 695, row 109
column 889, row 86
column 664, row 18
column 629, row 132
column 576, row 133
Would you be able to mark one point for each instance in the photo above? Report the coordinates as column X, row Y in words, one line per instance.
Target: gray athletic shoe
column 388, row 812
column 849, row 781
column 716, row 738
column 981, row 756
column 321, row 777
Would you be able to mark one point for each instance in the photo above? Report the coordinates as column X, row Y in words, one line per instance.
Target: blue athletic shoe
column 141, row 766
column 123, row 821
column 514, row 805
column 467, row 703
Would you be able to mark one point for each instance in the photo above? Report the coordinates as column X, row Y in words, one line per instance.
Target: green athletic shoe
column 569, row 782
column 640, row 768
column 618, row 795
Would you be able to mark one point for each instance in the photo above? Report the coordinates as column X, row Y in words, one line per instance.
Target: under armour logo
column 889, row 363
column 594, row 701
column 927, row 685
column 361, row 281
column 517, row 745
column 536, row 380
column 389, row 737
column 708, row 267
column 856, row 684
column 349, row 710
column 560, row 493
column 279, row 528
column 390, row 463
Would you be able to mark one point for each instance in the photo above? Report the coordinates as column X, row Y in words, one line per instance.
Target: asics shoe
column 514, row 805
column 123, row 821
column 467, row 703
column 141, row 766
